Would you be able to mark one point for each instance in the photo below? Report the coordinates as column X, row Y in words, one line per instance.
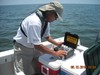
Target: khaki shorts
column 26, row 59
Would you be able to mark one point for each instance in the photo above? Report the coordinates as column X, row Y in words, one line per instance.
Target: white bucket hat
column 54, row 5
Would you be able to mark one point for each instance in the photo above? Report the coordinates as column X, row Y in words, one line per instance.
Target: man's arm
column 50, row 39
column 44, row 49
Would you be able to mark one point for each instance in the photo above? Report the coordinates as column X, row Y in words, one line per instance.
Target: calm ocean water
column 80, row 19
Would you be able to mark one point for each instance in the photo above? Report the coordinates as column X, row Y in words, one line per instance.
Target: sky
column 14, row 2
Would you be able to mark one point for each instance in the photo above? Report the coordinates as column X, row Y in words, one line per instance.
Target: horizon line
column 44, row 3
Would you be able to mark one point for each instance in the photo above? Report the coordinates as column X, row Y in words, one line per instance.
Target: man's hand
column 60, row 53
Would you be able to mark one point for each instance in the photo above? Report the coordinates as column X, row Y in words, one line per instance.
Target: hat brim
column 59, row 17
column 48, row 7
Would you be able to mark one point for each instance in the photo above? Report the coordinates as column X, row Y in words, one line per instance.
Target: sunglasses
column 53, row 13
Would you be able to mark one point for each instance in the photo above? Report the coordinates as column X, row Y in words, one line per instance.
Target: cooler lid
column 74, row 65
column 50, row 61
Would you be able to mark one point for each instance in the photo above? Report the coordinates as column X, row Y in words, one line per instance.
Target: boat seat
column 97, row 71
column 92, row 59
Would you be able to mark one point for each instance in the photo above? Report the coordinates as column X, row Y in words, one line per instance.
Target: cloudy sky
column 14, row 2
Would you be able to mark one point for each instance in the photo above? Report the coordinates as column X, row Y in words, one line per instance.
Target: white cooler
column 73, row 66
column 49, row 65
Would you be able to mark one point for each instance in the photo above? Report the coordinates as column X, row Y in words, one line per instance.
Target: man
column 28, row 45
